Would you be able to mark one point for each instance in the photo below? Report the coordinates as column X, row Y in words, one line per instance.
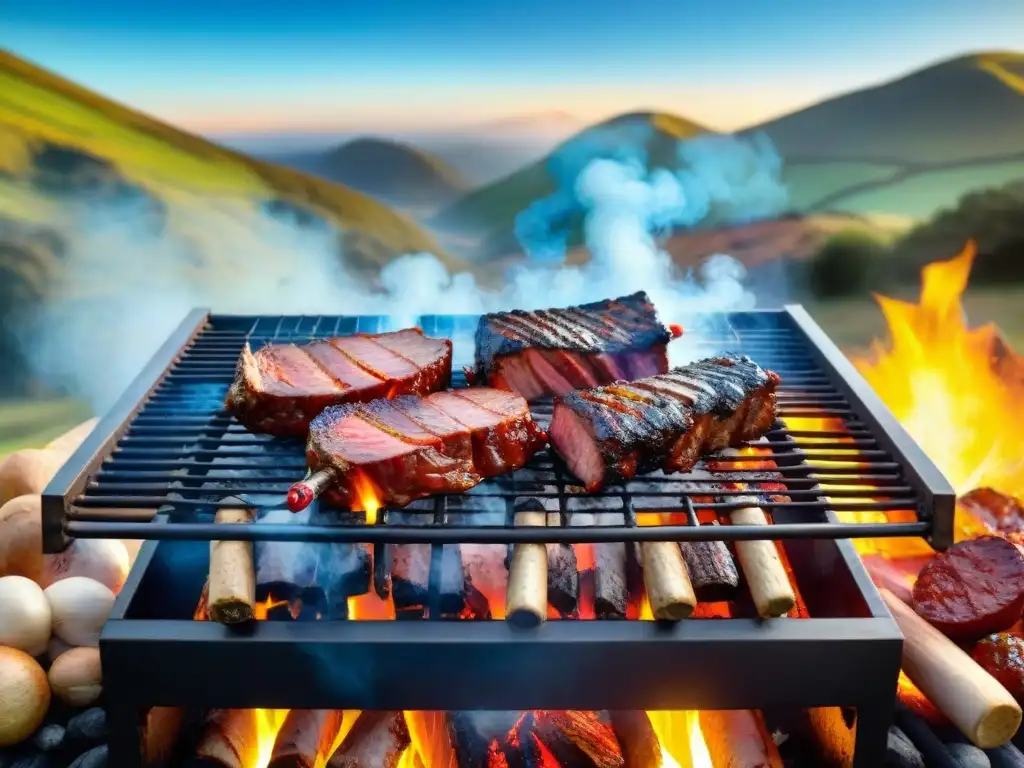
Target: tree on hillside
column 993, row 218
column 847, row 263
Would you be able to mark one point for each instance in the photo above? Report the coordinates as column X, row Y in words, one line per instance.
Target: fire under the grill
column 513, row 625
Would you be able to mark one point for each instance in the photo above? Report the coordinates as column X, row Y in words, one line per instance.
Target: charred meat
column 410, row 447
column 664, row 422
column 281, row 388
column 551, row 352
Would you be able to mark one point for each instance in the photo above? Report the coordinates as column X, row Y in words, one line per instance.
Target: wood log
column 319, row 576
column 637, row 740
column 230, row 739
column 411, row 571
column 231, row 598
column 611, row 584
column 161, row 728
column 305, row 736
column 968, row 695
column 486, row 579
column 376, row 740
column 526, row 597
column 488, row 739
column 578, row 739
column 563, row 572
column 763, row 571
column 738, row 738
column 712, row 570
column 669, row 591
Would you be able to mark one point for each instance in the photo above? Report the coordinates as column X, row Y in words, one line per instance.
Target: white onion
column 76, row 677
column 25, row 615
column 80, row 608
column 102, row 560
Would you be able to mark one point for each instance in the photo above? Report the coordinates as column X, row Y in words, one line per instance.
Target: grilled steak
column 411, row 447
column 554, row 351
column 662, row 422
column 281, row 388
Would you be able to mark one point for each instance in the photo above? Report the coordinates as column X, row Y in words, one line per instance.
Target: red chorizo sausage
column 973, row 589
column 1002, row 656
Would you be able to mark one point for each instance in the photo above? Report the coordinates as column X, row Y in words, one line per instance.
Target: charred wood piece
column 712, row 570
column 377, row 740
column 305, row 735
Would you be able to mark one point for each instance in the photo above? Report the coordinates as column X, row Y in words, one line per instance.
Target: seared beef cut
column 281, row 388
column 662, row 422
column 554, row 351
column 410, row 447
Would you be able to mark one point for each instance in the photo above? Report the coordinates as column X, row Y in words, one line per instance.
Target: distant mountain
column 489, row 212
column 391, row 171
column 911, row 145
column 551, row 122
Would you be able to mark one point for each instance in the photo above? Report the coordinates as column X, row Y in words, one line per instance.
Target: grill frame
column 66, row 513
column 701, row 664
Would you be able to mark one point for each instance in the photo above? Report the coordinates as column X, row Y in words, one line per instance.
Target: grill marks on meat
column 664, row 422
column 411, row 447
column 554, row 351
column 280, row 388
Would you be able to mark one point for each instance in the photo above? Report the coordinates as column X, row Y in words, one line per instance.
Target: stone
column 968, row 756
column 49, row 738
column 94, row 758
column 88, row 728
column 900, row 751
column 33, row 758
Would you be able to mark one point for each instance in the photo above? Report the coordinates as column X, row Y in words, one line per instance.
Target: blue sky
column 263, row 66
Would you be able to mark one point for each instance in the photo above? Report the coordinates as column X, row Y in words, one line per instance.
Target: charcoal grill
column 146, row 472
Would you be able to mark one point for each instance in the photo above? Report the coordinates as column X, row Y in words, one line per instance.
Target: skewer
column 306, row 491
column 968, row 695
column 526, row 598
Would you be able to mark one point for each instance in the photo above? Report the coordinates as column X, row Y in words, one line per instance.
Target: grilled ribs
column 411, row 447
column 554, row 351
column 281, row 388
column 664, row 422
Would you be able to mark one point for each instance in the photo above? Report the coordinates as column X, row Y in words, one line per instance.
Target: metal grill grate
column 170, row 447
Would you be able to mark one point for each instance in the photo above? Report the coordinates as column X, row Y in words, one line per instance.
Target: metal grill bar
column 169, row 446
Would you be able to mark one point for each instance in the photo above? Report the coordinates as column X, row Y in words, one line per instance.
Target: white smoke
column 125, row 287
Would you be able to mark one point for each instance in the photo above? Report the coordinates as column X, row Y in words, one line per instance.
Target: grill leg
column 873, row 720
column 124, row 733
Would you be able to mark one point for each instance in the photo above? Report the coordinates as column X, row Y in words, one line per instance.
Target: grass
column 38, row 107
column 34, row 423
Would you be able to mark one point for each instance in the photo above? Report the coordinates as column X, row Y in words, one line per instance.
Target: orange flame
column 950, row 386
column 368, row 495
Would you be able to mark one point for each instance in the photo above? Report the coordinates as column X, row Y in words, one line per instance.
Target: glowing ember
column 369, row 496
column 950, row 386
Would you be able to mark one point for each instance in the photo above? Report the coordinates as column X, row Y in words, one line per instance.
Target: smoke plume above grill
column 125, row 284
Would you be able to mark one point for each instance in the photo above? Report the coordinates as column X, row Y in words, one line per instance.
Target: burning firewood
column 377, row 740
column 526, row 597
column 231, row 597
column 305, row 735
column 411, row 570
column 161, row 728
column 230, row 739
column 637, row 739
column 320, row 575
column 712, row 570
column 611, row 590
column 486, row 578
column 669, row 590
column 738, row 739
column 578, row 738
column 976, row 703
column 488, row 739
